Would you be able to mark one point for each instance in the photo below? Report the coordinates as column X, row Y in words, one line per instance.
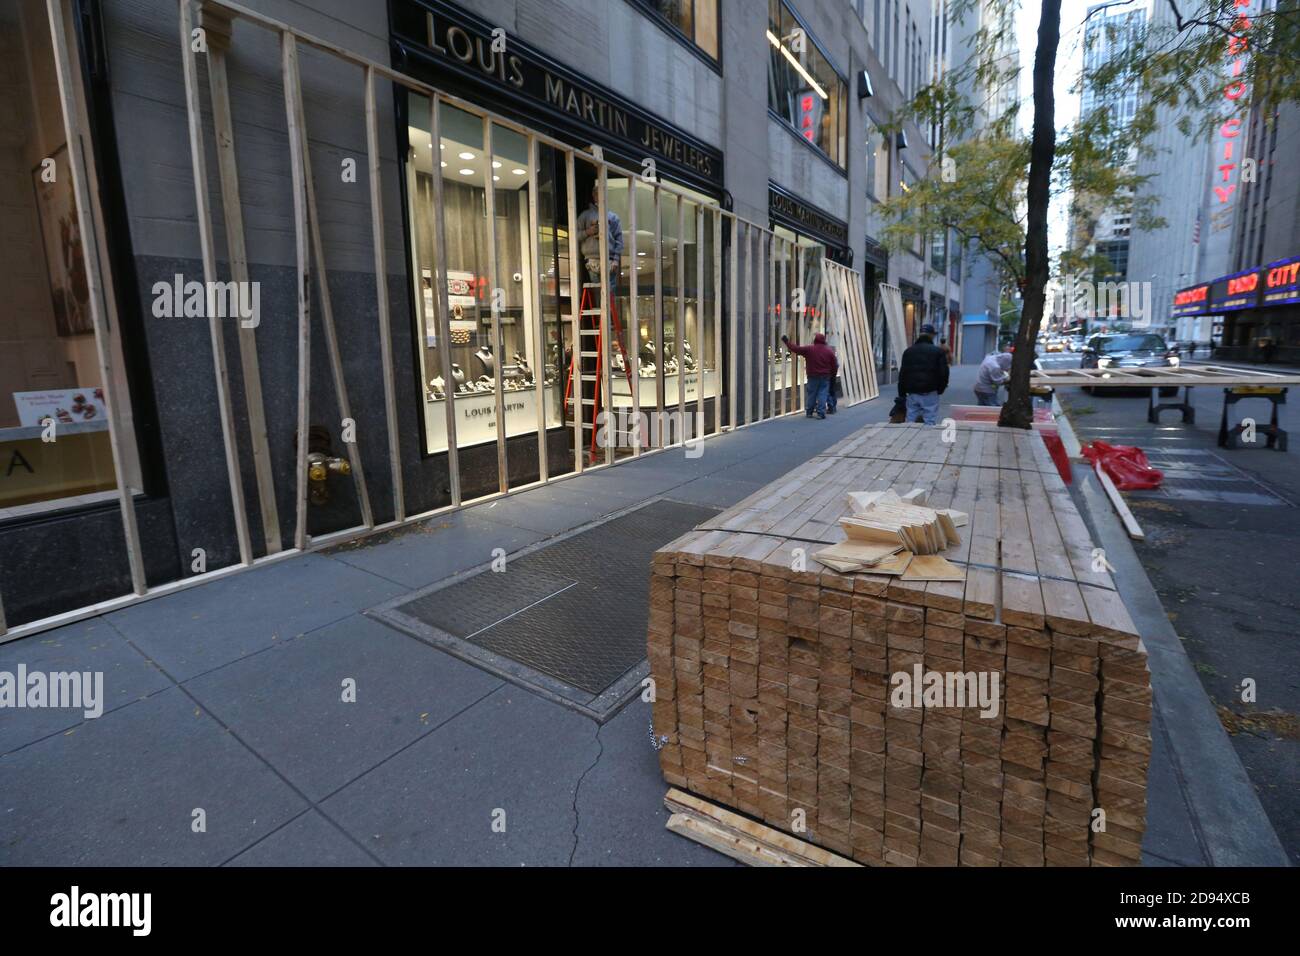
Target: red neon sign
column 1283, row 275
column 1246, row 283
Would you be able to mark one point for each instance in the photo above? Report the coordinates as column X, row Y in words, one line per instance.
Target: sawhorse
column 1276, row 435
column 1154, row 408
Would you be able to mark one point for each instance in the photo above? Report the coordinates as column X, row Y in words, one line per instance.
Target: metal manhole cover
column 566, row 620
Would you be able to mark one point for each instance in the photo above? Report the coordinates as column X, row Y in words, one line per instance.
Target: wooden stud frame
column 658, row 436
column 494, row 309
column 442, row 305
column 535, row 290
column 381, row 295
column 633, row 321
column 717, row 319
column 679, row 327
column 605, row 350
column 198, row 158
column 218, row 29
column 575, row 309
column 309, row 246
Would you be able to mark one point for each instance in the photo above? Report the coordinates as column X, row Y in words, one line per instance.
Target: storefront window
column 476, row 358
column 54, row 439
column 696, row 19
column 803, row 88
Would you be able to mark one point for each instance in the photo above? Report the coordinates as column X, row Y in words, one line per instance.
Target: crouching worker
column 994, row 372
column 923, row 377
column 820, row 366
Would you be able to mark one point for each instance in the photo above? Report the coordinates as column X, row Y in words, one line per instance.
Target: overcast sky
column 1069, row 60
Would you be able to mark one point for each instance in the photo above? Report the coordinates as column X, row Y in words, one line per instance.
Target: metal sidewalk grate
column 567, row 619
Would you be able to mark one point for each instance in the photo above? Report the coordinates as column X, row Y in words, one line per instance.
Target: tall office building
column 1105, row 230
column 1224, row 266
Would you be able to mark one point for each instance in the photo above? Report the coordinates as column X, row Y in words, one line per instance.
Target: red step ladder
column 585, row 364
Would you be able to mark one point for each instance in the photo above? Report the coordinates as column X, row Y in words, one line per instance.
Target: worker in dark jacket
column 923, row 377
column 821, row 365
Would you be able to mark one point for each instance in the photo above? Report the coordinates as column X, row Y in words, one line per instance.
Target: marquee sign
column 1281, row 282
column 1192, row 301
column 1234, row 292
column 449, row 39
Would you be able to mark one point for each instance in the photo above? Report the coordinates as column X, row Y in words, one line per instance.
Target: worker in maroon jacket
column 821, row 365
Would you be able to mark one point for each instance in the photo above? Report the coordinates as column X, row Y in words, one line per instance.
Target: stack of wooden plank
column 792, row 692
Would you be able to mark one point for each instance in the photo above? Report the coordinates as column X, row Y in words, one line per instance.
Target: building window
column 803, row 88
column 54, row 439
column 696, row 20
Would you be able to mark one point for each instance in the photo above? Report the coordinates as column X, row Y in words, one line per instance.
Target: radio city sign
column 1277, row 283
column 470, row 47
column 1191, row 301
column 1236, row 48
column 1281, row 282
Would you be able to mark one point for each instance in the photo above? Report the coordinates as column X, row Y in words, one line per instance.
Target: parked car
column 1130, row 350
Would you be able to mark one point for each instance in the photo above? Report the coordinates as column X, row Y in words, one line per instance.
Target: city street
column 1220, row 550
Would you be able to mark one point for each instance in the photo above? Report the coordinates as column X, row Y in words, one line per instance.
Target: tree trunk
column 1018, row 410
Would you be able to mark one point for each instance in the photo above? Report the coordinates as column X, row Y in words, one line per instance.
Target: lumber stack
column 979, row 721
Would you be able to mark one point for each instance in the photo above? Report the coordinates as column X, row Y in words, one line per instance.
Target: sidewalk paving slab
column 91, row 645
column 621, row 813
column 421, row 554
column 122, row 790
column 195, row 630
column 433, row 803
column 287, row 704
column 307, row 840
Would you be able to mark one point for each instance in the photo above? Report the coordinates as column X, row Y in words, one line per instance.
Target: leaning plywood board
column 774, row 673
column 1121, row 507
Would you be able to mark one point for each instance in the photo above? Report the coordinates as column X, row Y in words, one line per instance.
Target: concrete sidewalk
column 225, row 739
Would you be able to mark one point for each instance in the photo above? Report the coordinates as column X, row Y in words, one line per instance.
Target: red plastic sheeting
column 1127, row 465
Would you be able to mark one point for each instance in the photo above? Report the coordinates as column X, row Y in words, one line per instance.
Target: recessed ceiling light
column 466, row 155
column 495, row 164
column 519, row 172
column 444, row 163
column 640, row 253
column 442, row 145
column 467, row 172
column 496, row 179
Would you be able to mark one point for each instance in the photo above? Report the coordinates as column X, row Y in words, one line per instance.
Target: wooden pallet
column 773, row 675
column 741, row 838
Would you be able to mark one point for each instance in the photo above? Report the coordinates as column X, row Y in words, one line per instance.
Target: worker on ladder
column 589, row 244
column 590, row 309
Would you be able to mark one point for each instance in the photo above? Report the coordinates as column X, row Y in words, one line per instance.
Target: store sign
column 805, row 218
column 457, row 40
column 1193, row 301
column 810, row 114
column 1281, row 282
column 1235, row 51
column 1238, row 291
